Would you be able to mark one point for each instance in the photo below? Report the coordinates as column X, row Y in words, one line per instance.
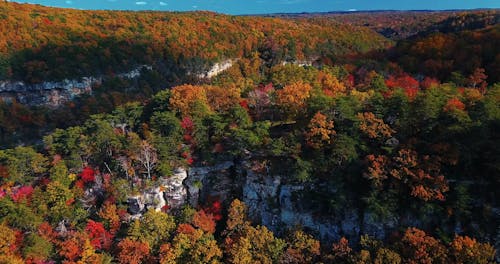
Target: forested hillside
column 391, row 24
column 333, row 149
column 454, row 55
column 40, row 44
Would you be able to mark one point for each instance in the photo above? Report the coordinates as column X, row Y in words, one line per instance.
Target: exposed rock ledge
column 217, row 68
column 55, row 93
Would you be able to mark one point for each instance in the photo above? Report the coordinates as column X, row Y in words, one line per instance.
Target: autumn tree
column 237, row 217
column 464, row 249
column 385, row 255
column 409, row 85
column 418, row 247
column 111, row 219
column 478, row 79
column 183, row 98
column 292, row 98
column 302, row 248
column 421, row 174
column 99, row 237
column 331, row 85
column 247, row 244
column 7, row 240
column 373, row 127
column 341, row 251
column 255, row 245
column 132, row 251
column 260, row 99
column 154, row 228
column 72, row 246
column 204, row 221
column 191, row 245
column 320, row 131
column 377, row 169
column 221, row 99
column 454, row 104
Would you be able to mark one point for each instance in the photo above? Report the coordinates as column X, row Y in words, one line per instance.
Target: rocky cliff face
column 56, row 93
column 271, row 201
column 46, row 93
column 217, row 68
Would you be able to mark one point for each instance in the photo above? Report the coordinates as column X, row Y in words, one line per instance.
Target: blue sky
column 270, row 6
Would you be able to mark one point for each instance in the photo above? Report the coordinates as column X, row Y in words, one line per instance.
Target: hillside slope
column 39, row 43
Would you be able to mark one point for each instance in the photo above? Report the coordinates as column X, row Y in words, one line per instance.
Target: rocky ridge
column 271, row 201
column 57, row 92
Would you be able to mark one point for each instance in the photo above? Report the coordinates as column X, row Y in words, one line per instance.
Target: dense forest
column 343, row 146
column 43, row 44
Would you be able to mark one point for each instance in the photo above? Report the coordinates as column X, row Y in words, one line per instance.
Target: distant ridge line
column 374, row 11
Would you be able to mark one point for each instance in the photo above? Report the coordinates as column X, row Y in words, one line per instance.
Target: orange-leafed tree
column 302, row 248
column 185, row 97
column 422, row 173
column 7, row 240
column 320, row 131
column 292, row 98
column 377, row 169
column 110, row 217
column 374, row 127
column 408, row 170
column 222, row 99
column 167, row 254
column 341, row 251
column 71, row 247
column 331, row 85
column 237, row 216
column 418, row 247
column 191, row 245
column 204, row 221
column 132, row 251
column 454, row 104
column 464, row 249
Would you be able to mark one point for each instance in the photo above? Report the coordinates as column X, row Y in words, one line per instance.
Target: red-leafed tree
column 22, row 194
column 429, row 83
column 454, row 104
column 99, row 237
column 405, row 82
column 87, row 175
column 215, row 209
